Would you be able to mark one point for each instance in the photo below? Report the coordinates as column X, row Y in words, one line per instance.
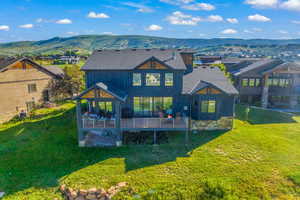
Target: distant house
column 24, row 84
column 152, row 90
column 69, row 59
column 268, row 82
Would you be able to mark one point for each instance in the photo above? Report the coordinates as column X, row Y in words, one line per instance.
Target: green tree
column 70, row 85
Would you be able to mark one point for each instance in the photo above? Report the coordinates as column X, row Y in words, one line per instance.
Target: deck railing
column 137, row 123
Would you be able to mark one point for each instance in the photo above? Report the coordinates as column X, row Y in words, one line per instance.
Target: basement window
column 31, row 88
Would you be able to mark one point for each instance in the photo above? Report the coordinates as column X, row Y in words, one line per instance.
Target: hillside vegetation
column 86, row 43
column 258, row 159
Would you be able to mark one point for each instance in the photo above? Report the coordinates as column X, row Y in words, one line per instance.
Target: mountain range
column 87, row 43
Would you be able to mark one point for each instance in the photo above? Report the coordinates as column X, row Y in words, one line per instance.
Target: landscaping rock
column 2, row 194
column 92, row 193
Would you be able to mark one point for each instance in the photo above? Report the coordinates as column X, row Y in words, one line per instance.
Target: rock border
column 92, row 193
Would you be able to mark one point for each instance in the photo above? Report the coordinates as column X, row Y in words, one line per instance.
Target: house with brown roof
column 23, row 85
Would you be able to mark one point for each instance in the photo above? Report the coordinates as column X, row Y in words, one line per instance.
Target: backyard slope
column 258, row 159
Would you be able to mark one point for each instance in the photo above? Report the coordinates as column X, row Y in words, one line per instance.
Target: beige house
column 24, row 84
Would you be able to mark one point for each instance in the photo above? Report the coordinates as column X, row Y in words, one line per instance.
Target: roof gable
column 153, row 63
column 25, row 62
column 101, row 90
column 207, row 77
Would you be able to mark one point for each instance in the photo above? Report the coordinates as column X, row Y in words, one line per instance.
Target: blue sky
column 43, row 19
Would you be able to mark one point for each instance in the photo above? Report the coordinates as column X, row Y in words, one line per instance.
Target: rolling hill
column 87, row 43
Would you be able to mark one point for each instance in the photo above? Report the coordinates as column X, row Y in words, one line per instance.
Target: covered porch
column 101, row 113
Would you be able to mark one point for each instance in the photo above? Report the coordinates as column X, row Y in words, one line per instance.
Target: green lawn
column 255, row 160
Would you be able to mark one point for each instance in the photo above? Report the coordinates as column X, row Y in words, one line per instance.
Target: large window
column 251, row 82
column 151, row 106
column 257, row 82
column 169, row 79
column 208, row 106
column 105, row 106
column 136, row 79
column 245, row 82
column 31, row 88
column 153, row 79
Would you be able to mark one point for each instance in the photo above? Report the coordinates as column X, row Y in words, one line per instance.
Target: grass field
column 258, row 159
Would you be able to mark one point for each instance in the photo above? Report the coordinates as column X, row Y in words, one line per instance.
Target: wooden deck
column 138, row 123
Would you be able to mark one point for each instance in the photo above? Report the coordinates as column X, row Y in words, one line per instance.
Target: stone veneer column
column 265, row 92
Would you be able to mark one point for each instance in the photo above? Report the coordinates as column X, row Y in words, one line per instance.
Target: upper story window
column 153, row 79
column 279, row 82
column 136, row 79
column 208, row 106
column 169, row 79
column 31, row 88
column 251, row 82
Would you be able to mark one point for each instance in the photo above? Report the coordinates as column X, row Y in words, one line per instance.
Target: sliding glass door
column 151, row 106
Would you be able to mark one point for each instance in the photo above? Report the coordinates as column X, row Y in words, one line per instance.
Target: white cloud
column 232, row 20
column 140, row 7
column 253, row 30
column 97, row 15
column 257, row 29
column 179, row 18
column 214, row 18
column 295, row 22
column 26, row 26
column 108, row 33
column 154, row 27
column 4, row 28
column 177, row 2
column 39, row 20
column 258, row 18
column 291, row 5
column 72, row 33
column 199, row 6
column 283, row 32
column 262, row 3
column 64, row 21
column 229, row 31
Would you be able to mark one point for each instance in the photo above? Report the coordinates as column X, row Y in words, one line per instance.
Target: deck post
column 265, row 92
column 79, row 123
column 154, row 138
column 118, row 119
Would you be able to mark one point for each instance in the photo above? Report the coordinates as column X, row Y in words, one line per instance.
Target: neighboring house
column 268, row 82
column 152, row 90
column 24, row 84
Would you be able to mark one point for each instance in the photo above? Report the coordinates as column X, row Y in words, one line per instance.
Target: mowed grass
column 259, row 159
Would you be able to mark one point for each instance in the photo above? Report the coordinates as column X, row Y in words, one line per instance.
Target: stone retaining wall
column 92, row 193
column 224, row 123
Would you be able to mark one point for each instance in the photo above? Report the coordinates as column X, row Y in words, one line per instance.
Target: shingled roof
column 205, row 76
column 129, row 59
column 260, row 66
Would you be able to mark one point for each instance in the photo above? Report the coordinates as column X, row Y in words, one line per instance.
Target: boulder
column 83, row 192
column 91, row 197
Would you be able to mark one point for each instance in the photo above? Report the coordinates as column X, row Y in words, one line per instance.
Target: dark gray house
column 267, row 82
column 152, row 90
